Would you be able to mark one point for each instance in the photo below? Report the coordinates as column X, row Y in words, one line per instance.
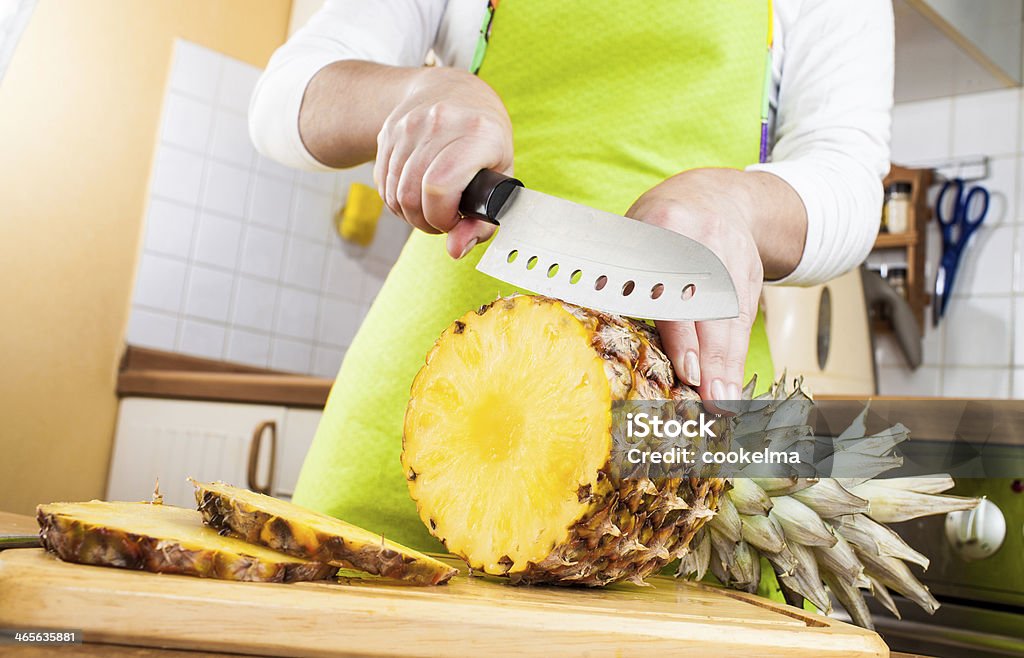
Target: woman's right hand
column 449, row 126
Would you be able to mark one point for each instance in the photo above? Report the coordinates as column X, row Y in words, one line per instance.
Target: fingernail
column 734, row 392
column 718, row 390
column 469, row 247
column 691, row 368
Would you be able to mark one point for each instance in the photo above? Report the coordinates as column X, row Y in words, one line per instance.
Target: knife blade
column 594, row 258
column 18, row 541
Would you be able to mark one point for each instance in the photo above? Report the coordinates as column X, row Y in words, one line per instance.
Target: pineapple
column 163, row 539
column 822, row 531
column 507, row 451
column 303, row 533
column 507, row 446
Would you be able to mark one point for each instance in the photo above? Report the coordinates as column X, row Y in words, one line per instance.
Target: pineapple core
column 508, row 421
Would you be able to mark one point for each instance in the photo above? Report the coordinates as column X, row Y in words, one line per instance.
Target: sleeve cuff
column 814, row 258
column 274, row 111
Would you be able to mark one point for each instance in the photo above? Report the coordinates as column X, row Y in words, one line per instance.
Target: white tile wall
column 986, row 123
column 978, row 350
column 240, row 258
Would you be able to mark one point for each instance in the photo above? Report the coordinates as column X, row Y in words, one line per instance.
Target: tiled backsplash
column 978, row 348
column 240, row 259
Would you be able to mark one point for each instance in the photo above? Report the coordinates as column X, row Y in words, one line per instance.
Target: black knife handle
column 486, row 194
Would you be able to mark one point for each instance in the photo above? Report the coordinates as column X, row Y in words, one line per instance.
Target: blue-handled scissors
column 960, row 211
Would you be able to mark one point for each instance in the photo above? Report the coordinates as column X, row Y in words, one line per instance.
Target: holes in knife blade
column 601, row 282
column 552, row 271
column 512, row 256
column 689, row 290
column 627, row 288
column 575, row 277
column 532, row 263
column 657, row 290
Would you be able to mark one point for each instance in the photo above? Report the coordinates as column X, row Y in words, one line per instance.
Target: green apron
column 604, row 105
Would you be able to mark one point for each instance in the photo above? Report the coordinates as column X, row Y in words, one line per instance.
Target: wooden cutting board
column 368, row 616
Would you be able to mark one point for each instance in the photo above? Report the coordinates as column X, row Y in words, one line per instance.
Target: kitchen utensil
column 18, row 531
column 357, row 220
column 879, row 293
column 368, row 615
column 595, row 258
column 960, row 211
column 8, row 540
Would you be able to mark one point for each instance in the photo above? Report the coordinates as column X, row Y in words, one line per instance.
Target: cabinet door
column 175, row 439
column 299, row 427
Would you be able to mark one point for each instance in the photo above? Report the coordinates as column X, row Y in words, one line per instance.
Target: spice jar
column 897, row 207
column 897, row 278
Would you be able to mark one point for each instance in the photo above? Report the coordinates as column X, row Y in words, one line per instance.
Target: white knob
column 978, row 533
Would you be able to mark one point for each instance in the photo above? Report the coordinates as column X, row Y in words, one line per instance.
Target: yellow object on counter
column 357, row 220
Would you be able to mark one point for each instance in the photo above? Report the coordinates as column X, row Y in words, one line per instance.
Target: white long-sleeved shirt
column 832, row 77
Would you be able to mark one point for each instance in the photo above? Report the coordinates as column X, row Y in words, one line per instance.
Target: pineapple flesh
column 507, row 446
column 507, row 451
column 303, row 533
column 163, row 539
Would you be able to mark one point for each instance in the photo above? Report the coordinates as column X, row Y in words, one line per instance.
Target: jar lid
column 899, row 188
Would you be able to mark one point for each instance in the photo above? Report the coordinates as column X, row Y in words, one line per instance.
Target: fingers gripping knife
column 594, row 258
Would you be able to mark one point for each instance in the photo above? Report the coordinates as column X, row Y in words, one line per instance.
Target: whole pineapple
column 508, row 453
column 507, row 447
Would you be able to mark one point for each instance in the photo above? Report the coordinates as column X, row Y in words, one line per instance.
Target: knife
column 18, row 541
column 593, row 258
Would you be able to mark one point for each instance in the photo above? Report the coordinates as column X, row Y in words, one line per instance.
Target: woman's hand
column 721, row 209
column 449, row 126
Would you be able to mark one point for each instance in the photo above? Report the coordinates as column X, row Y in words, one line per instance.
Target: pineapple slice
column 507, row 443
column 162, row 539
column 307, row 534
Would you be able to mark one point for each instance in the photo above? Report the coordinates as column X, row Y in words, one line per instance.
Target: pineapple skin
column 75, row 540
column 248, row 522
column 630, row 528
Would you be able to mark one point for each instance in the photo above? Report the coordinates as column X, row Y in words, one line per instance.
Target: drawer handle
column 254, row 456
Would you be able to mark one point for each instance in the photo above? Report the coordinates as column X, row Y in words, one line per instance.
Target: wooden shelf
column 912, row 241
column 895, row 240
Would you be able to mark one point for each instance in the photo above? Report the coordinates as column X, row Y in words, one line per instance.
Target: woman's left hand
column 713, row 207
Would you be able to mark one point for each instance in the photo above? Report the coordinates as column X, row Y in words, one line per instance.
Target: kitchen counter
column 934, row 419
column 153, row 373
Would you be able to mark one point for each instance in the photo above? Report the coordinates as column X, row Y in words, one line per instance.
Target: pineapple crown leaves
column 820, row 535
